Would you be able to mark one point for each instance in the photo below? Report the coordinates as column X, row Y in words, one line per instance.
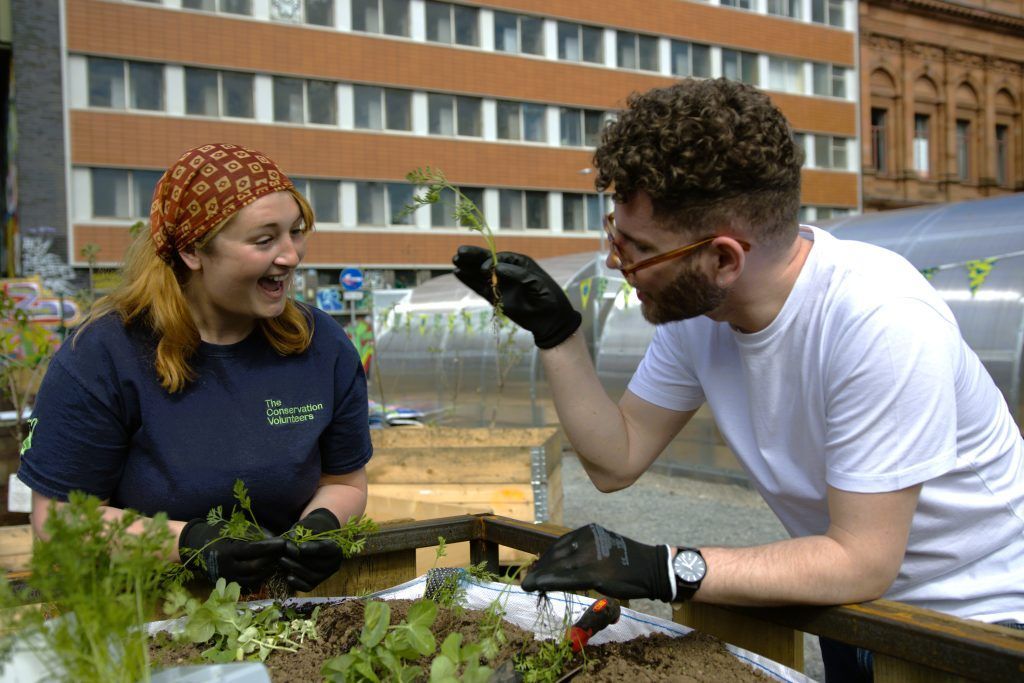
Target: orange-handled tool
column 601, row 613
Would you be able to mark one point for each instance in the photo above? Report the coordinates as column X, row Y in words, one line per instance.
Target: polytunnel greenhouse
column 440, row 352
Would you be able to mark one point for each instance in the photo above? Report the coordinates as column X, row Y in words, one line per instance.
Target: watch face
column 689, row 566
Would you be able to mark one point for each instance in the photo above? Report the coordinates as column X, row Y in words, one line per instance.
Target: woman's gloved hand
column 308, row 564
column 247, row 562
column 529, row 296
column 592, row 557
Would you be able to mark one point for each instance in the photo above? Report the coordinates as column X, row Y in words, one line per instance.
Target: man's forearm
column 591, row 420
column 814, row 570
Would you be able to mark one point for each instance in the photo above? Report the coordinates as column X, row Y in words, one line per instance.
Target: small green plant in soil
column 105, row 582
column 386, row 651
column 236, row 632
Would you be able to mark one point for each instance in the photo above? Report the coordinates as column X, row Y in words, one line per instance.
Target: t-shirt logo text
column 278, row 414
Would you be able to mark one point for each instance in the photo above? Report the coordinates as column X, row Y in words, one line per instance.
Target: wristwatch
column 690, row 568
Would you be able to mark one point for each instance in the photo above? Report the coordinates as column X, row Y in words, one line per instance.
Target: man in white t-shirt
column 835, row 373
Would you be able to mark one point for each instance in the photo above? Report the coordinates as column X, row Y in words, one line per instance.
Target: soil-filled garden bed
column 695, row 657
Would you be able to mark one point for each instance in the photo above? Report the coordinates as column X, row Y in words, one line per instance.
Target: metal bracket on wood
column 539, row 483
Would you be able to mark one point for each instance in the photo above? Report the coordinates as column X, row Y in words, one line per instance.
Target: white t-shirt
column 863, row 381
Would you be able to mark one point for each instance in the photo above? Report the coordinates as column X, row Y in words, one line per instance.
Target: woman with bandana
column 199, row 370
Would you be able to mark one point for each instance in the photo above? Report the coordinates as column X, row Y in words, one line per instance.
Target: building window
column 228, row 6
column 740, row 66
column 299, row 101
column 109, row 79
column 518, row 33
column 117, row 193
column 381, row 16
column 454, row 115
column 1002, row 154
column 580, row 127
column 442, row 212
column 520, row 209
column 106, row 83
column 879, row 140
column 581, row 212
column 202, row 96
column 452, row 24
column 218, row 93
column 237, row 94
column 785, row 75
column 785, row 8
column 579, row 43
column 691, row 59
column 963, row 149
column 829, row 80
column 382, row 108
column 636, row 51
column 521, row 121
column 383, row 203
column 830, row 152
column 922, row 159
column 827, row 12
column 323, row 197
column 741, row 4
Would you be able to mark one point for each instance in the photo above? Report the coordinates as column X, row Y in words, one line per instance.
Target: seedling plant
column 242, row 525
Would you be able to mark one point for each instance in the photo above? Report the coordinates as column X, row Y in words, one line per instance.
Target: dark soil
column 695, row 657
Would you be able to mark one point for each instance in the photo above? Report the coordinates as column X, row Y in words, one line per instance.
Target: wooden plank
column 367, row 574
column 470, row 466
column 451, row 437
column 510, row 500
column 893, row 670
column 15, row 547
column 778, row 643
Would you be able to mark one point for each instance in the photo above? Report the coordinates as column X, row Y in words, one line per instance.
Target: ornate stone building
column 942, row 88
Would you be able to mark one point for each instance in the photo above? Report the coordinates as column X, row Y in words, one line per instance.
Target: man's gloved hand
column 247, row 562
column 592, row 557
column 307, row 564
column 529, row 297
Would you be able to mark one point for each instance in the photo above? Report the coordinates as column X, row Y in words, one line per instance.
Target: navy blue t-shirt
column 104, row 425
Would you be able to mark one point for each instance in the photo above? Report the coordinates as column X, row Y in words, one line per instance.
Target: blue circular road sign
column 351, row 279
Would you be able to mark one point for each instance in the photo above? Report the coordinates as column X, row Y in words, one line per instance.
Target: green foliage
column 458, row 662
column 236, row 632
column 351, row 537
column 242, row 525
column 386, row 652
column 25, row 348
column 548, row 663
column 104, row 580
column 465, row 212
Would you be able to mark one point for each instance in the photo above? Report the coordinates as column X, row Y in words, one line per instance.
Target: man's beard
column 690, row 294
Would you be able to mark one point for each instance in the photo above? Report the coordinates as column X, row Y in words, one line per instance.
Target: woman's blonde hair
column 151, row 293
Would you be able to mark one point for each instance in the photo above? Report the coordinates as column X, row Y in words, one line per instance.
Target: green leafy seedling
column 465, row 212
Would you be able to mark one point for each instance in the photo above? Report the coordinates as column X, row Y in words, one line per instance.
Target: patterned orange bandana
column 205, row 187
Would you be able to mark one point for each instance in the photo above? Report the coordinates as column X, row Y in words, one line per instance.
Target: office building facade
column 506, row 97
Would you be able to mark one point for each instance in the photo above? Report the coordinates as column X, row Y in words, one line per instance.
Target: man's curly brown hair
column 709, row 153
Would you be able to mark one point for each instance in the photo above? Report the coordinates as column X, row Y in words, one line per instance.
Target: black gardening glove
column 529, row 297
column 307, row 564
column 247, row 562
column 592, row 557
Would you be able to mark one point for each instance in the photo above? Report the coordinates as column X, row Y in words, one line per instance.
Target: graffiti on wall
column 41, row 304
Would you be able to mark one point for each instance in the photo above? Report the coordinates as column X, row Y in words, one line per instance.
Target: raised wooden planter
column 516, row 473
column 910, row 644
column 512, row 472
